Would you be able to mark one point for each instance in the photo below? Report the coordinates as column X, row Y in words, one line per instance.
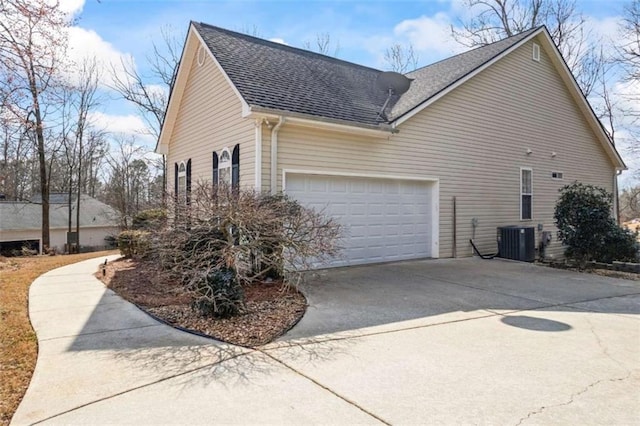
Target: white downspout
column 258, row 169
column 274, row 155
column 616, row 199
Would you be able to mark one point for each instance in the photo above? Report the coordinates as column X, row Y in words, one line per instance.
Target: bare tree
column 127, row 188
column 252, row 30
column 150, row 93
column 401, row 58
column 629, row 52
column 497, row 19
column 323, row 45
column 32, row 43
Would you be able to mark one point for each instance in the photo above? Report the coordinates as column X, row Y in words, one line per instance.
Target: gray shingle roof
column 17, row 215
column 279, row 77
column 276, row 76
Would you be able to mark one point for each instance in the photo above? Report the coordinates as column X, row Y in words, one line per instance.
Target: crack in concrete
column 328, row 389
column 604, row 348
column 48, row 339
column 572, row 398
column 145, row 385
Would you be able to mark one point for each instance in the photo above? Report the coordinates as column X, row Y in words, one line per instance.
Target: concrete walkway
column 101, row 360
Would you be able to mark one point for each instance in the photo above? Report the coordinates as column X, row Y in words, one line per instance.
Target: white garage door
column 383, row 219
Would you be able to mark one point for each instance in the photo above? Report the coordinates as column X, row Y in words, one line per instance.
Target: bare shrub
column 252, row 236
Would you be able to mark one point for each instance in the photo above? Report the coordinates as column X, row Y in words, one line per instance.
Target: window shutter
column 175, row 179
column 235, row 166
column 188, row 182
column 215, row 169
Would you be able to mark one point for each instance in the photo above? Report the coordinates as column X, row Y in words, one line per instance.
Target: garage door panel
column 382, row 219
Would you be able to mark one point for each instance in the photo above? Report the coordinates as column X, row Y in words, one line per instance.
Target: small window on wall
column 557, row 175
column 526, row 193
column 182, row 179
column 226, row 167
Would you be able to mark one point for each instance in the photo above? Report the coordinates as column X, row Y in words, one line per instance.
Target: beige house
column 478, row 141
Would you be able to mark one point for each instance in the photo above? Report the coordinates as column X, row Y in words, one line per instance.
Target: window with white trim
column 526, row 193
column 182, row 179
column 224, row 167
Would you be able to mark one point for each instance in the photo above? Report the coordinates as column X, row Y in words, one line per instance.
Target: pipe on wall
column 274, row 154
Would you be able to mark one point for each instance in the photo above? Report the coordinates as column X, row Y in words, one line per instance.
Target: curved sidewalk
column 101, row 360
column 93, row 345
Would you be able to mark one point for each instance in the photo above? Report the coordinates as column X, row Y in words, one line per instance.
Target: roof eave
column 380, row 130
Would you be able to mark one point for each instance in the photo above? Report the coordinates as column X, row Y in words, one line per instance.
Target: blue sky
column 114, row 29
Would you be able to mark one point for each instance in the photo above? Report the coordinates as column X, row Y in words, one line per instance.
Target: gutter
column 382, row 129
column 274, row 154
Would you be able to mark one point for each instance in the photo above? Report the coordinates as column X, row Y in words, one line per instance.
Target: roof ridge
column 288, row 47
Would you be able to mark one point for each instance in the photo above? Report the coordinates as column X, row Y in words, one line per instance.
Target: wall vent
column 557, row 175
column 536, row 52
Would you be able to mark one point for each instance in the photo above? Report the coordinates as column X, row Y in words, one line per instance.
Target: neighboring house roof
column 276, row 79
column 20, row 216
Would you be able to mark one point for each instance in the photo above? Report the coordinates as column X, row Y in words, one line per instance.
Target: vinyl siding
column 474, row 140
column 210, row 119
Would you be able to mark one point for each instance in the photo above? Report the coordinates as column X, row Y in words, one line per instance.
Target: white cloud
column 85, row 43
column 279, row 40
column 124, row 124
column 429, row 35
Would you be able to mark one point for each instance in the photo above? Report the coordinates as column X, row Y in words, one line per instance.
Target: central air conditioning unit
column 517, row 243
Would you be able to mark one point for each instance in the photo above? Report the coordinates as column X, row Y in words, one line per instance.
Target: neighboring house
column 21, row 223
column 499, row 129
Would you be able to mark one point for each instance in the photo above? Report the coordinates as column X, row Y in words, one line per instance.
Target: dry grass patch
column 18, row 343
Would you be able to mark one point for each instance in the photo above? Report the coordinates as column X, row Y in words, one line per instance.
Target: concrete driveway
column 436, row 342
column 364, row 296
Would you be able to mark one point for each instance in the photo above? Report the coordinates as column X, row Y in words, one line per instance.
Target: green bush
column 134, row 243
column 583, row 215
column 622, row 245
column 149, row 219
column 219, row 294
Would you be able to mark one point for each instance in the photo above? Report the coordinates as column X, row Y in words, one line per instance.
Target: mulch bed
column 271, row 308
column 602, row 272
